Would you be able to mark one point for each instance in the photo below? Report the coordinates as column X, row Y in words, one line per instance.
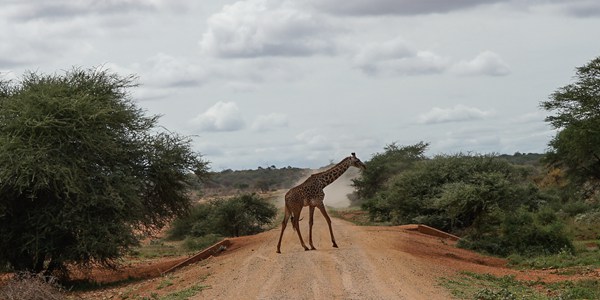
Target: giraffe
column 310, row 193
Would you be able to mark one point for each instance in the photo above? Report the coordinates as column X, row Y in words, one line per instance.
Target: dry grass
column 31, row 287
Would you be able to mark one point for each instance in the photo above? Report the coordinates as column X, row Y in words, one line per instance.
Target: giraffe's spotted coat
column 310, row 193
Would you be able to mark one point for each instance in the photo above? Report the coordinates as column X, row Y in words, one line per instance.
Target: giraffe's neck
column 327, row 177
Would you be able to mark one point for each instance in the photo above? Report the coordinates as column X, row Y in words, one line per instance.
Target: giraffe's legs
column 283, row 225
column 324, row 212
column 296, row 224
column 311, row 213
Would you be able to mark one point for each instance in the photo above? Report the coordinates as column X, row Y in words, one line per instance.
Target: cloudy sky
column 306, row 82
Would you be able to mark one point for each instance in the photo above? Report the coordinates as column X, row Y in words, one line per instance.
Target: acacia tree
column 576, row 146
column 83, row 171
column 382, row 166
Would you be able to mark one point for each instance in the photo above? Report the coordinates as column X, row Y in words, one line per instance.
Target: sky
column 304, row 83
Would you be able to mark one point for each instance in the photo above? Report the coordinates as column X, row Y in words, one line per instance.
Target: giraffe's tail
column 289, row 211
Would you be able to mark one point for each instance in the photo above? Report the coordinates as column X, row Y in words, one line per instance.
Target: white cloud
column 62, row 9
column 69, row 32
column 161, row 74
column 501, row 135
column 35, row 42
column 210, row 149
column 256, row 71
column 163, row 70
column 275, row 54
column 486, row 63
column 313, row 139
column 7, row 76
column 458, row 113
column 145, row 91
column 397, row 57
column 223, row 116
column 484, row 143
column 574, row 8
column 270, row 121
column 255, row 28
column 585, row 9
column 530, row 117
column 395, row 7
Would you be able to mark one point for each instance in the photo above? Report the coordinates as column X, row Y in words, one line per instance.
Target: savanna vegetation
column 493, row 204
column 469, row 285
column 85, row 173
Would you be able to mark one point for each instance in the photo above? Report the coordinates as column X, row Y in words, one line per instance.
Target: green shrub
column 489, row 201
column 453, row 190
column 241, row 215
column 522, row 232
column 582, row 289
column 199, row 243
column 491, row 294
column 588, row 217
column 574, row 208
column 196, row 223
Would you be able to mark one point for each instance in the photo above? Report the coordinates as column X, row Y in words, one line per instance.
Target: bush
column 196, row 223
column 455, row 191
column 241, row 215
column 475, row 196
column 199, row 243
column 31, row 287
column 575, row 208
column 591, row 217
column 491, row 294
column 522, row 232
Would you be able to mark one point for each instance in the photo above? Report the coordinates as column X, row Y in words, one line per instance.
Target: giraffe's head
column 355, row 162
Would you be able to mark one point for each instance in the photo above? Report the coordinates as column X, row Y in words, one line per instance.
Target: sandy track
column 371, row 263
column 365, row 266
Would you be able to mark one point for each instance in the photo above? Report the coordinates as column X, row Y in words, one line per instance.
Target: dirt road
column 370, row 263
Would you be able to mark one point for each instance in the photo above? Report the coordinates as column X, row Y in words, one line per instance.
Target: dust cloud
column 336, row 194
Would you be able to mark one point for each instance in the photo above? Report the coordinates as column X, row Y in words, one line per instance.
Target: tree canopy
column 383, row 166
column 83, row 171
column 576, row 107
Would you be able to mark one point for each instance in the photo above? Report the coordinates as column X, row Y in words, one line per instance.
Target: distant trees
column 576, row 146
column 263, row 185
column 83, row 171
column 260, row 179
